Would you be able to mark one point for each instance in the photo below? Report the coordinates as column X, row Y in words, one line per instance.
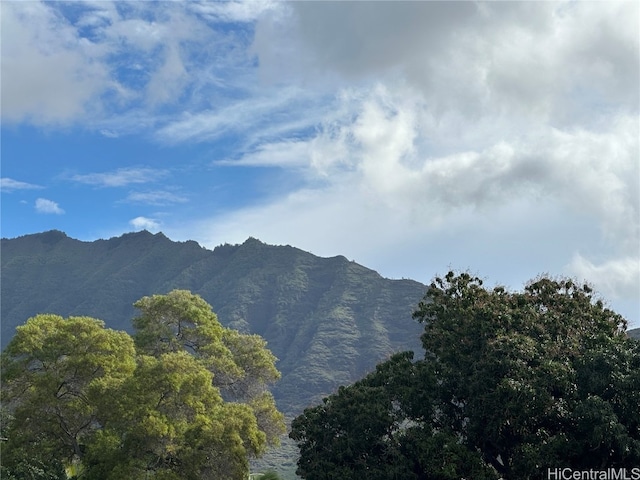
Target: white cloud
column 532, row 60
column 8, row 185
column 286, row 154
column 271, row 114
column 168, row 81
column 381, row 149
column 615, row 278
column 155, row 197
column 49, row 73
column 511, row 242
column 379, row 192
column 155, row 38
column 121, row 177
column 91, row 62
column 48, row 206
column 144, row 223
column 109, row 133
column 464, row 58
column 233, row 11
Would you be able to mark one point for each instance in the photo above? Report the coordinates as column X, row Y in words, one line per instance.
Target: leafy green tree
column 511, row 384
column 56, row 373
column 242, row 366
column 35, row 465
column 172, row 422
column 189, row 401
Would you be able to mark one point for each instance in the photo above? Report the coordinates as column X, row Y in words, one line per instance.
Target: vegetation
column 327, row 320
column 186, row 398
column 511, row 384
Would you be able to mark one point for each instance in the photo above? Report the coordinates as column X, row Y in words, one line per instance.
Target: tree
column 172, row 422
column 373, row 429
column 33, row 465
column 241, row 365
column 56, row 373
column 79, row 394
column 355, row 432
column 511, row 384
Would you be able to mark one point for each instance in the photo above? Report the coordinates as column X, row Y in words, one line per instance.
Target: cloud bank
column 460, row 119
column 413, row 137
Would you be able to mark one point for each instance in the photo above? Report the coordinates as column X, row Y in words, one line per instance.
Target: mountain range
column 328, row 320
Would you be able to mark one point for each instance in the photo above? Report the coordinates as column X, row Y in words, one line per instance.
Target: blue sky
column 499, row 138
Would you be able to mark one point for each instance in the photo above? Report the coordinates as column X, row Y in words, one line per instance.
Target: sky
column 497, row 138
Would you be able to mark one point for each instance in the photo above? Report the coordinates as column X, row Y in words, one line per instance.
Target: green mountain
column 328, row 320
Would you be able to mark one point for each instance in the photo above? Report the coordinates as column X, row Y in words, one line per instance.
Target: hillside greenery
column 185, row 398
column 327, row 320
column 511, row 384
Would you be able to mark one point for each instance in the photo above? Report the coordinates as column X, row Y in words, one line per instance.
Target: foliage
column 21, row 464
column 511, row 384
column 353, row 434
column 56, row 373
column 241, row 366
column 78, row 394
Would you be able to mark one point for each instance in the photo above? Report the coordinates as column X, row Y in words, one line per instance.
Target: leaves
column 511, row 384
column 79, row 393
column 241, row 366
column 56, row 371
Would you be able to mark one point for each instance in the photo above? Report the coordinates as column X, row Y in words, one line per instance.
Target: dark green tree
column 511, row 384
column 355, row 433
column 26, row 463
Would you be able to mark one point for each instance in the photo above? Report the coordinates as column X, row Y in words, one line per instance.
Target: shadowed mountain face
column 328, row 320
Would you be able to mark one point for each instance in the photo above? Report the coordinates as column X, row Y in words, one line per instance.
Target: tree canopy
column 185, row 398
column 511, row 383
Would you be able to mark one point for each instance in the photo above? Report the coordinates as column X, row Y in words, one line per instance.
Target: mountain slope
column 328, row 320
